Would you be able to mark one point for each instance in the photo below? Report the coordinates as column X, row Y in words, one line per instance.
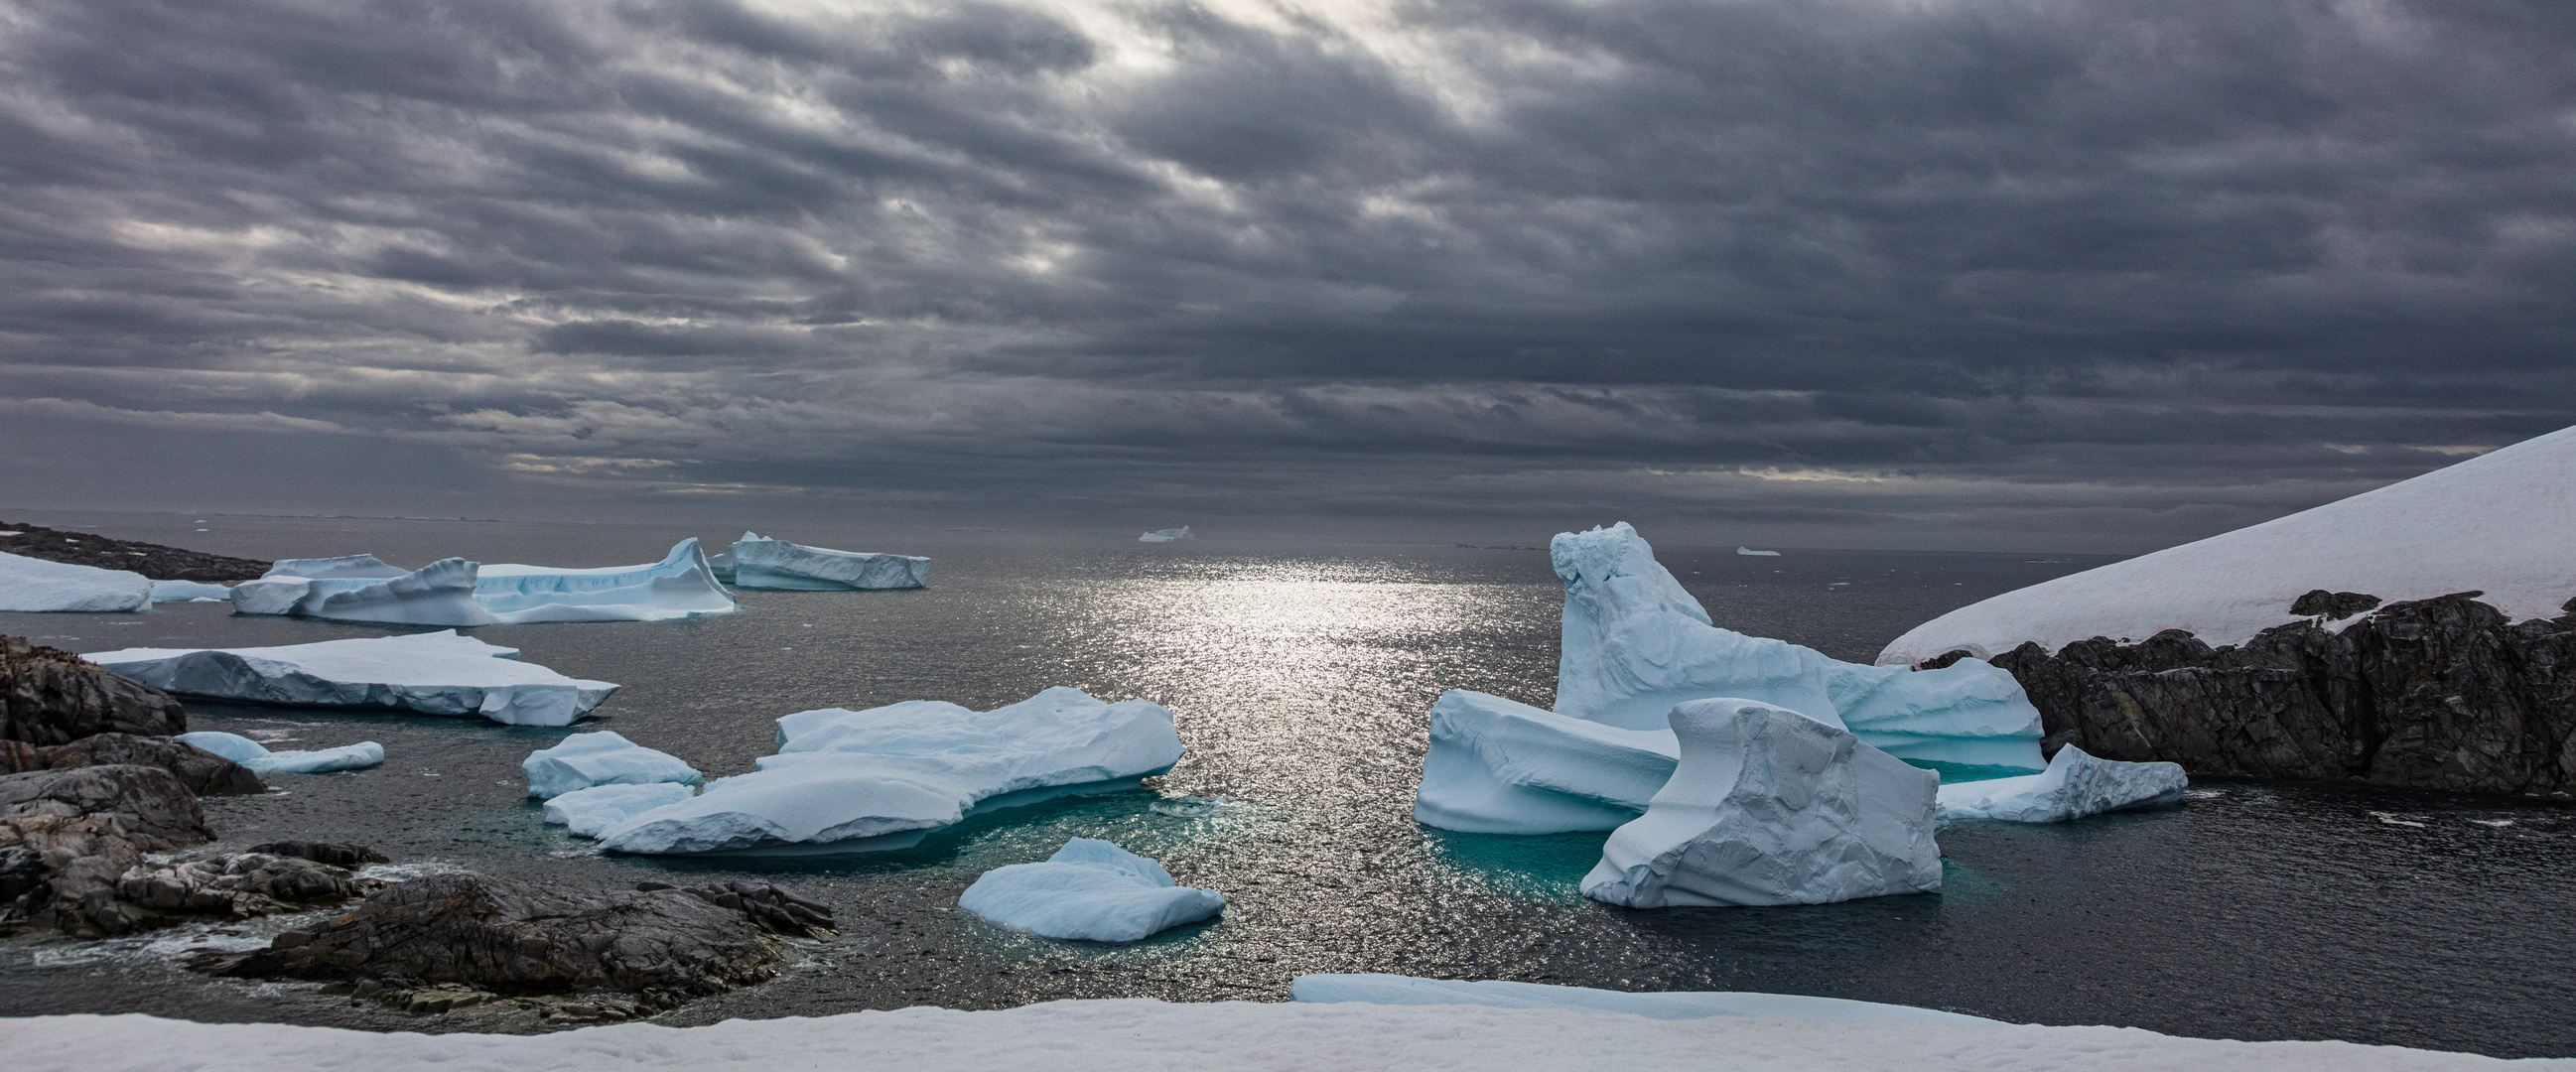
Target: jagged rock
column 2333, row 604
column 203, row 772
column 152, row 560
column 2440, row 693
column 60, row 871
column 241, row 885
column 334, row 853
column 776, row 910
column 514, row 937
column 156, row 811
column 50, row 697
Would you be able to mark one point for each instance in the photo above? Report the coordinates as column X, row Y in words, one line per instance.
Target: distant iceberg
column 438, row 673
column 1167, row 535
column 190, row 592
column 1671, row 1005
column 35, row 584
column 256, row 756
column 460, row 592
column 861, row 781
column 755, row 562
column 2497, row 523
column 584, row 760
column 1090, row 890
column 1741, row 550
column 1770, row 807
column 2074, row 785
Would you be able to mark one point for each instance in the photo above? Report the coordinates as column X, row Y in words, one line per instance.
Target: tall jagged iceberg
column 1770, row 807
column 1636, row 643
column 439, row 673
column 757, row 562
column 860, row 781
column 35, row 584
column 461, row 592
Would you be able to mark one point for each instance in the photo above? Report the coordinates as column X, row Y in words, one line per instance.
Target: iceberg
column 1167, row 535
column 1674, row 1005
column 2496, row 523
column 461, row 592
column 1090, row 890
column 755, row 562
column 35, row 584
column 1636, row 643
column 2074, row 785
column 587, row 812
column 252, row 754
column 1500, row 767
column 1970, row 713
column 438, row 673
column 859, row 781
column 190, row 592
column 1747, row 551
column 584, row 760
column 1770, row 807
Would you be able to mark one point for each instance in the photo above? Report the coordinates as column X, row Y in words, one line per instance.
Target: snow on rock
column 2074, row 785
column 1378, row 989
column 2496, row 523
column 857, row 781
column 587, row 812
column 584, row 760
column 756, row 562
column 1969, row 713
column 1089, row 890
column 1167, row 535
column 438, row 673
column 1771, row 807
column 1636, row 643
column 1749, row 552
column 190, row 592
column 256, row 756
column 34, row 584
column 461, row 592
column 1501, row 767
column 1145, row 1035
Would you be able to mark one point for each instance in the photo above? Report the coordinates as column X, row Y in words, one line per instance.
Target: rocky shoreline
column 2443, row 693
column 156, row 561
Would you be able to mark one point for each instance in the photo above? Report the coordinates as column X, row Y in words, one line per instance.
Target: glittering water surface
column 1301, row 676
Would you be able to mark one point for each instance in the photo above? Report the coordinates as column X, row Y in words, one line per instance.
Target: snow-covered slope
column 2503, row 523
column 1144, row 1035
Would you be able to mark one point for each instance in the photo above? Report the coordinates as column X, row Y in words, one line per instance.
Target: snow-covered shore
column 1138, row 1034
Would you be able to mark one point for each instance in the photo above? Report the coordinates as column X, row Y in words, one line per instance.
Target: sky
column 2080, row 275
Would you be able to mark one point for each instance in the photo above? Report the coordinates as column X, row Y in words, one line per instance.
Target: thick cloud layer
column 2094, row 274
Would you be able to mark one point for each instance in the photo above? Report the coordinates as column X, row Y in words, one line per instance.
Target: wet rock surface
column 454, row 936
column 153, row 808
column 2441, row 693
column 203, row 772
column 159, row 562
column 238, row 886
column 50, row 697
column 337, row 854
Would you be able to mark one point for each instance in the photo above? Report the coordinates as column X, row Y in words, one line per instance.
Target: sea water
column 1301, row 676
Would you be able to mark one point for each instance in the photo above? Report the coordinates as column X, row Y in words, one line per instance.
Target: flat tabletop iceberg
column 777, row 564
column 460, row 592
column 35, row 584
column 439, row 673
column 2497, row 523
column 854, row 781
column 1089, row 890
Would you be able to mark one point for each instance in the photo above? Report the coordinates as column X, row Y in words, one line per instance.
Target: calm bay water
column 1301, row 676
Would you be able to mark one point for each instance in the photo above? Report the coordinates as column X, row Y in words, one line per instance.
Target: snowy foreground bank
column 1141, row 1034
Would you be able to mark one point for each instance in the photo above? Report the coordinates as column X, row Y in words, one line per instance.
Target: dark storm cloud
column 2115, row 273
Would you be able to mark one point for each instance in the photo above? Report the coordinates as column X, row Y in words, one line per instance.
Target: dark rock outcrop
column 334, row 853
column 496, row 935
column 2322, row 603
column 237, row 886
column 776, row 910
column 154, row 809
column 203, row 772
column 149, row 559
column 2440, row 693
column 61, row 871
column 50, row 697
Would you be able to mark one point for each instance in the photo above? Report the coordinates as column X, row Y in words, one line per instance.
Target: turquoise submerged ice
column 441, row 673
column 459, row 592
column 755, row 562
column 588, row 811
column 2074, row 785
column 1089, row 890
column 1674, row 1005
column 856, row 781
column 256, row 756
column 587, row 759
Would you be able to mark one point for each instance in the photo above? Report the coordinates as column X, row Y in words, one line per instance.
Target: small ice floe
column 2498, row 823
column 584, row 760
column 35, row 584
column 252, row 754
column 439, row 673
column 2075, row 785
column 1092, row 890
column 1751, row 553
column 1167, row 535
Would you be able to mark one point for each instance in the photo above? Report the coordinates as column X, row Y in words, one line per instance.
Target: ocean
column 1301, row 674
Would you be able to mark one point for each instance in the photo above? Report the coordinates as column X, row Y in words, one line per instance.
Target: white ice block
column 438, row 673
column 1089, row 890
column 1501, row 767
column 256, row 756
column 2074, row 785
column 584, row 760
column 35, row 584
column 777, row 564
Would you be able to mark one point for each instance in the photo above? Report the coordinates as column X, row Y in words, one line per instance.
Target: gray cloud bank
column 2089, row 274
